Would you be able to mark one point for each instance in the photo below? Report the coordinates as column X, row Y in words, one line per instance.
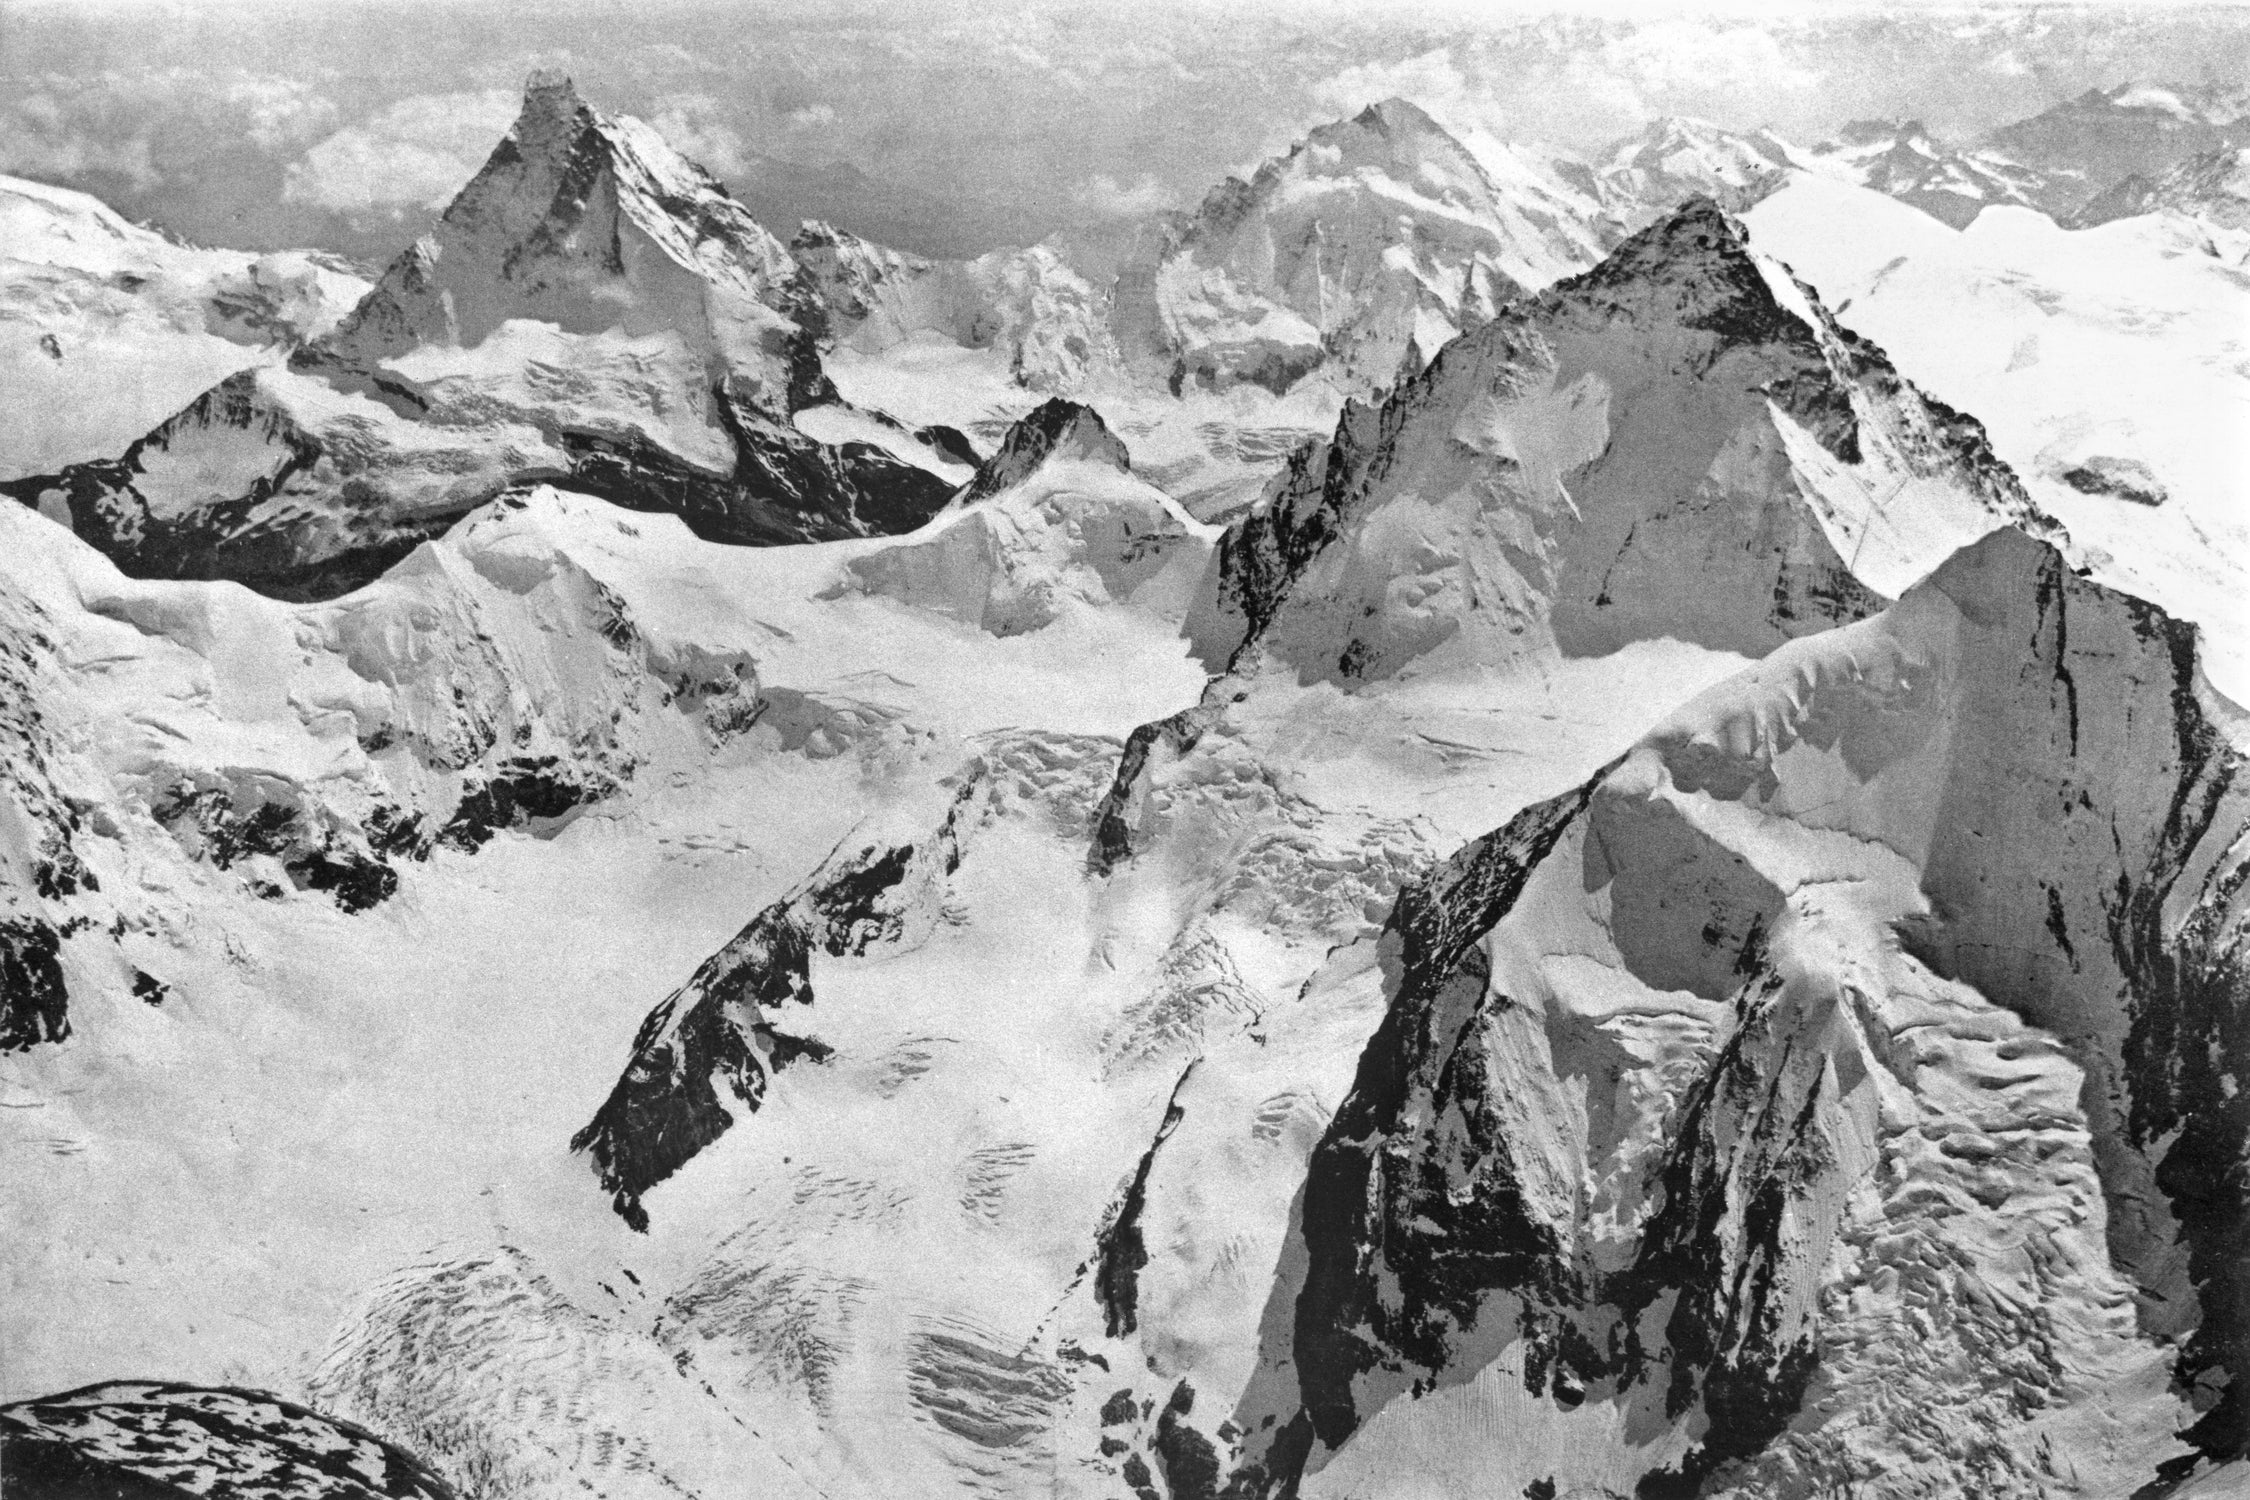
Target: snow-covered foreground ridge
column 1852, row 1066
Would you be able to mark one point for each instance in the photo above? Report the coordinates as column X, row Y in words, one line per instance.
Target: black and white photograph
column 1124, row 750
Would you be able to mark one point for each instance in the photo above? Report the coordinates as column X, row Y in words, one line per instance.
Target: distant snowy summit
column 1681, row 442
column 591, row 308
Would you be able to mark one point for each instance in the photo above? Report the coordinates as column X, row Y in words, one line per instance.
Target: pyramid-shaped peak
column 1394, row 116
column 1696, row 268
column 1389, row 133
column 1057, row 428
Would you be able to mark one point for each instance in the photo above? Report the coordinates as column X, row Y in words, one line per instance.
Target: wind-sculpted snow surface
column 490, row 680
column 1680, row 442
column 1832, row 1095
column 591, row 306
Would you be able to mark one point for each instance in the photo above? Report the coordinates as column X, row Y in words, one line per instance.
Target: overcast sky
column 347, row 124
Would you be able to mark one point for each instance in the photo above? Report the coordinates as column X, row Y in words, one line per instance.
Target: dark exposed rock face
column 1977, row 731
column 1116, row 820
column 1055, row 427
column 715, row 1031
column 146, row 1440
column 234, row 529
column 316, row 854
column 1643, row 491
column 2124, row 478
column 293, row 520
column 1121, row 1250
column 1353, row 1204
column 34, row 1005
column 518, row 790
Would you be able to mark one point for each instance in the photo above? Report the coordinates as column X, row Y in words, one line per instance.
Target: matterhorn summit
column 593, row 226
column 591, row 306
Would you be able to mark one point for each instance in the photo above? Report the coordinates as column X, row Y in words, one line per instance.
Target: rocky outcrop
column 142, row 1440
column 707, row 1054
column 34, row 1002
column 713, row 1039
column 1799, row 1044
column 1055, row 428
column 591, row 308
column 1679, row 442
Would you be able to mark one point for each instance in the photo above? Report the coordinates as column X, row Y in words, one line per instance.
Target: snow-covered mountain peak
column 591, row 306
column 1901, row 158
column 1357, row 253
column 2086, row 144
column 1536, row 490
column 595, row 225
column 1055, row 429
column 1054, row 521
column 1393, row 136
column 1675, row 157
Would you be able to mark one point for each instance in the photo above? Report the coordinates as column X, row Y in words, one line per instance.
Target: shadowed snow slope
column 2144, row 466
column 591, row 305
column 1844, row 1068
column 1679, row 443
column 2102, row 136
